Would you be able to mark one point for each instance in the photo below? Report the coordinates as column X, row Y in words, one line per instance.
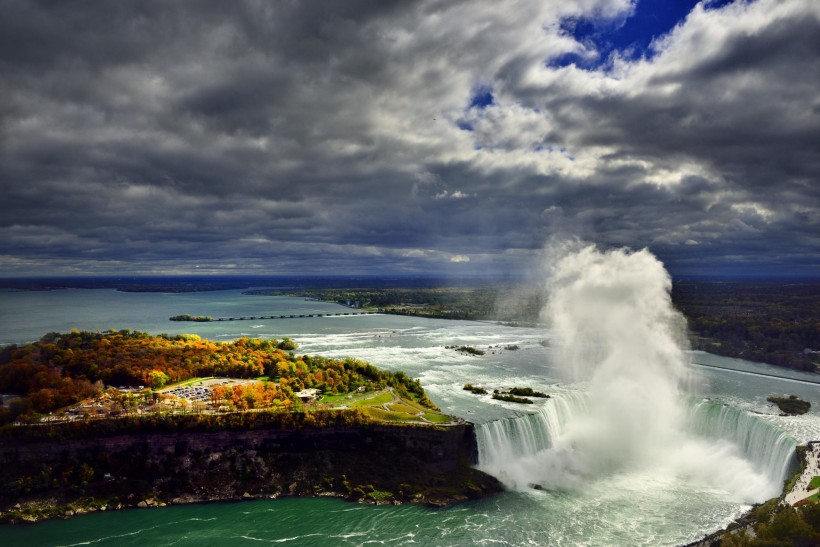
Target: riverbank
column 779, row 508
column 376, row 464
column 801, row 488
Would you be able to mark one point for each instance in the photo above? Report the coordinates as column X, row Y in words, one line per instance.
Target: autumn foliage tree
column 62, row 369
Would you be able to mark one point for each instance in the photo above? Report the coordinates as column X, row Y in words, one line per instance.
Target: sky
column 429, row 137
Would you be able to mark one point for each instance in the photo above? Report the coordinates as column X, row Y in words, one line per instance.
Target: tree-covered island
column 510, row 395
column 791, row 405
column 81, row 407
column 195, row 318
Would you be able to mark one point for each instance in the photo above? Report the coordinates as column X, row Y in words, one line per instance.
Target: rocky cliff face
column 368, row 463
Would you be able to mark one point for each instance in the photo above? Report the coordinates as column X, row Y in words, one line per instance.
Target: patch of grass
column 189, row 382
column 438, row 418
column 385, row 416
column 380, row 399
column 402, row 407
column 332, row 399
column 415, row 404
column 815, row 483
column 380, row 495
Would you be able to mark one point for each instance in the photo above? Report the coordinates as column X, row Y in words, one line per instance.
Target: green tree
column 157, row 379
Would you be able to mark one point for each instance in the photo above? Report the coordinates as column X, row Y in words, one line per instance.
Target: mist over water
column 621, row 342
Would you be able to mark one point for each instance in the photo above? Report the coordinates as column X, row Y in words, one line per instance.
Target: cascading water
column 507, row 440
column 619, row 337
column 768, row 447
column 764, row 452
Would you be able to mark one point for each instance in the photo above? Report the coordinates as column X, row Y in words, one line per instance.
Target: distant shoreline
column 800, row 380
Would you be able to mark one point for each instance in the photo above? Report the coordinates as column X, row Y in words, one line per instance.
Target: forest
column 770, row 322
column 63, row 369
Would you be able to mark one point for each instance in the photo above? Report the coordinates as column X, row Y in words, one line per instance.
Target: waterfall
column 616, row 330
column 769, row 448
column 507, row 439
column 724, row 446
column 511, row 448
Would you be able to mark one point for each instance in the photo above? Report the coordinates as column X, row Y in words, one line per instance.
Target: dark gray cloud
column 328, row 137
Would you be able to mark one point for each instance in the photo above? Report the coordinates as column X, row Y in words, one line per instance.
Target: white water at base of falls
column 770, row 450
column 722, row 448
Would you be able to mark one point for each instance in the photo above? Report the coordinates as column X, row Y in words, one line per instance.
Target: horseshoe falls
column 747, row 449
column 767, row 447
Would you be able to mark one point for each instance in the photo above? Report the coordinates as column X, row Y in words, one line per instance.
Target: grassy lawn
column 188, row 382
column 403, row 410
column 380, row 399
column 334, row 399
column 385, row 416
column 416, row 405
column 815, row 483
column 403, row 407
column 437, row 418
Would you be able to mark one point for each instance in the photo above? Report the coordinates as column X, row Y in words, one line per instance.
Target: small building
column 308, row 395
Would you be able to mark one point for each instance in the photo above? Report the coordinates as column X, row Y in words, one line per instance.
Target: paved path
column 800, row 489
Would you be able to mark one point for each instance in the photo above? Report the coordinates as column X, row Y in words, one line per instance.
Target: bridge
column 292, row 316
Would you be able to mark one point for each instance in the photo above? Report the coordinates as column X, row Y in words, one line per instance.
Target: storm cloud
column 425, row 136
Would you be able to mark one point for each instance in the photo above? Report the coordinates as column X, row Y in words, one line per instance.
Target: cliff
column 372, row 463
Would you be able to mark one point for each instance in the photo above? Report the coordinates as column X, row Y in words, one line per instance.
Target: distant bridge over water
column 292, row 316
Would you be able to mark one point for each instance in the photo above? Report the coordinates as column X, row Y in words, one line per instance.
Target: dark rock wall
column 376, row 463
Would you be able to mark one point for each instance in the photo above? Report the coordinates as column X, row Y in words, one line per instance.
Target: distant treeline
column 485, row 302
column 771, row 322
column 775, row 323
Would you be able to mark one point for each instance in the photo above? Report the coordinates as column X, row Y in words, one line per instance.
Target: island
column 791, row 405
column 120, row 419
column 195, row 318
column 511, row 395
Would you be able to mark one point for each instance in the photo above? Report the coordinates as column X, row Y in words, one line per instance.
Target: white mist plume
column 615, row 328
column 619, row 338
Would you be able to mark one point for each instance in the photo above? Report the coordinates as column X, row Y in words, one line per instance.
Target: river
column 662, row 503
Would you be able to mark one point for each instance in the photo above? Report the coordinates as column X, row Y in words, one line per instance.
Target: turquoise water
column 649, row 505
